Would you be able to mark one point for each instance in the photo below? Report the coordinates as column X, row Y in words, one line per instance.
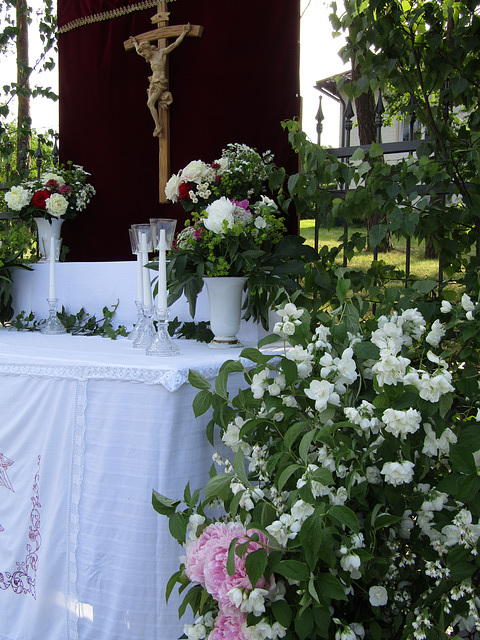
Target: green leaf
column 221, row 383
column 177, row 524
column 239, row 466
column 305, row 444
column 293, row 432
column 282, row 613
column 286, row 473
column 330, row 587
column 385, row 520
column 462, row 459
column 343, row 287
column 231, row 557
column 255, row 564
column 198, row 381
column 218, row 487
column 293, row 570
column 343, row 515
column 202, row 403
column 163, row 505
column 366, row 350
column 171, row 584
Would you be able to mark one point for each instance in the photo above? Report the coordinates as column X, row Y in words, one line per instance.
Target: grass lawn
column 419, row 266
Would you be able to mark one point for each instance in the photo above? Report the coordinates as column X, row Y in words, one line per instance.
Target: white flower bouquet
column 61, row 193
column 350, row 495
column 240, row 173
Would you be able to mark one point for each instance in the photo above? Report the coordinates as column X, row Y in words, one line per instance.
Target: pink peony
column 206, row 561
column 228, row 627
column 201, row 549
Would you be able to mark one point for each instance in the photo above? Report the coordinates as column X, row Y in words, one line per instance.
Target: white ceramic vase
column 46, row 229
column 225, row 304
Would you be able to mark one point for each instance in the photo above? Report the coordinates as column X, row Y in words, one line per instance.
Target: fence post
column 38, row 160
column 379, row 111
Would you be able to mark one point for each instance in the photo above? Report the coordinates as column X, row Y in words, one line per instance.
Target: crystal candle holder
column 53, row 326
column 163, row 344
column 146, row 333
column 137, row 327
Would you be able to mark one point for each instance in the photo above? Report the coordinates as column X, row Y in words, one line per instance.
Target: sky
column 318, row 60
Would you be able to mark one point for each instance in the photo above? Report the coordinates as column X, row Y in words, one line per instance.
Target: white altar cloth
column 88, row 427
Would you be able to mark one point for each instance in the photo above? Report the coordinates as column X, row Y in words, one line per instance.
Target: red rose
column 40, row 198
column 183, row 191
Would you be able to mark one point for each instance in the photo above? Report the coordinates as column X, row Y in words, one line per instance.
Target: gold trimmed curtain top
column 108, row 15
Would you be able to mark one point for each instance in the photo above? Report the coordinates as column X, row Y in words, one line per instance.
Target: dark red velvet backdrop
column 235, row 84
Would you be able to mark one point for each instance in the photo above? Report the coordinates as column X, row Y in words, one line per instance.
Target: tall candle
column 139, row 277
column 147, row 290
column 162, row 272
column 52, row 292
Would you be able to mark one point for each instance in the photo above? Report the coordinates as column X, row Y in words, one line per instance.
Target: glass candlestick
column 135, row 332
column 146, row 333
column 163, row 344
column 53, row 326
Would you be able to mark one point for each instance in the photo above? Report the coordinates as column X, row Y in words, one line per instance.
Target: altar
column 89, row 426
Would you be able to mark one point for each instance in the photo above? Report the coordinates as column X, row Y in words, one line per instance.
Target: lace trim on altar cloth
column 76, row 481
column 108, row 15
column 170, row 379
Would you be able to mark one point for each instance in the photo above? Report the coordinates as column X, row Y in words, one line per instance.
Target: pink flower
column 52, row 185
column 206, row 561
column 65, row 190
column 201, row 549
column 228, row 627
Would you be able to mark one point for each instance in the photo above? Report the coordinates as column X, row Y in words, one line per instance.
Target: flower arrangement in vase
column 350, row 487
column 59, row 193
column 235, row 231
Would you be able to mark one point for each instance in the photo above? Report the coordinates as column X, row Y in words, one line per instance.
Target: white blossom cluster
column 354, row 443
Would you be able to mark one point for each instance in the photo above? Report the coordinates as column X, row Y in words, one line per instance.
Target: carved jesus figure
column 158, row 87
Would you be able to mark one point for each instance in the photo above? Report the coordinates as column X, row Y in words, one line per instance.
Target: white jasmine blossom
column 467, row 303
column 397, row 473
column 378, row 596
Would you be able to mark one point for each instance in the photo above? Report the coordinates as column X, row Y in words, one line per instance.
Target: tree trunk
column 23, row 73
column 365, row 109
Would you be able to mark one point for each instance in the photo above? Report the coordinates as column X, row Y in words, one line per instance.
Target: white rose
column 378, row 596
column 172, row 188
column 223, row 165
column 53, row 176
column 17, row 198
column 56, row 205
column 195, row 171
column 219, row 211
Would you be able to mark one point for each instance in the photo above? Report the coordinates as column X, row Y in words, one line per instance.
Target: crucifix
column 159, row 96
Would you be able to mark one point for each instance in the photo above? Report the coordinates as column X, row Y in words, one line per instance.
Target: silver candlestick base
column 53, row 326
column 163, row 344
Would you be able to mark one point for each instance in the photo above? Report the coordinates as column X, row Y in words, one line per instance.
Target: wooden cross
column 159, row 97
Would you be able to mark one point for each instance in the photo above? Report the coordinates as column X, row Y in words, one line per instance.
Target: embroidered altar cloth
column 88, row 427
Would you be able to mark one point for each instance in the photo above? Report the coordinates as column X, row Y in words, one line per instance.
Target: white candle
column 147, row 290
column 139, row 278
column 52, row 291
column 162, row 272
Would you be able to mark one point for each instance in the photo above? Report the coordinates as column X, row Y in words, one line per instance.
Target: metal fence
column 406, row 147
column 23, row 167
